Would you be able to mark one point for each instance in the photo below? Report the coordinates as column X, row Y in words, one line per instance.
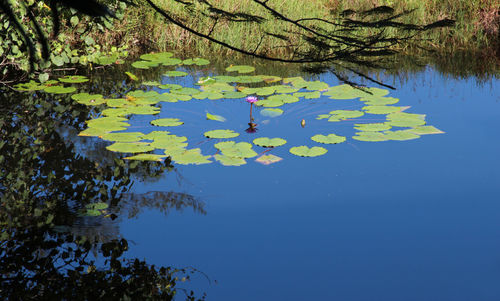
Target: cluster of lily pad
column 272, row 91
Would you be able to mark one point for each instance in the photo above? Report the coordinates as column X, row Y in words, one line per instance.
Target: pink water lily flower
column 251, row 99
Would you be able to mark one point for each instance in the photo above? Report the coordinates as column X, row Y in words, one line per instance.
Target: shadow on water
column 52, row 245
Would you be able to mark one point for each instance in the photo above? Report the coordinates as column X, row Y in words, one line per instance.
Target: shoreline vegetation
column 474, row 39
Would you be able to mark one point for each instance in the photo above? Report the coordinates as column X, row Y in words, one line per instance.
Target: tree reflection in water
column 48, row 250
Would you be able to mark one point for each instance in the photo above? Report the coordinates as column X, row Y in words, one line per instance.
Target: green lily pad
column 118, row 102
column 108, row 124
column 234, row 95
column 226, row 78
column 208, row 94
column 95, row 132
column 338, row 115
column 215, row 117
column 264, row 91
column 192, row 156
column 229, row 161
column 425, row 130
column 402, row 119
column 156, row 57
column 175, row 73
column 248, row 79
column 151, row 83
column 221, row 134
column 370, row 136
column 142, row 94
column 123, row 137
column 91, row 212
column 271, row 112
column 155, row 135
column 59, row 89
column 379, row 101
column 74, row 79
column 170, row 87
column 146, row 157
column 88, row 99
column 240, row 69
column 171, row 62
column 372, row 127
column 143, row 110
column 130, row 147
column 268, row 159
column 316, row 86
column 304, row 151
column 400, row 135
column 270, row 103
column 116, row 112
column 30, row 86
column 238, row 150
column 285, row 89
column 167, row 122
column 381, row 109
column 270, row 78
column 131, row 76
column 308, row 95
column 186, row 91
column 97, row 206
column 285, row 98
column 144, row 64
column 269, row 142
column 329, row 139
column 196, row 61
column 170, row 142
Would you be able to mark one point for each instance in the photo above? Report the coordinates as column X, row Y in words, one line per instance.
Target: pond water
column 391, row 220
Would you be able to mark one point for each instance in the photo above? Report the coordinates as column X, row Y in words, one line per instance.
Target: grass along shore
column 476, row 29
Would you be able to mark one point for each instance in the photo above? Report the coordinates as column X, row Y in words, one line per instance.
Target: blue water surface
column 397, row 220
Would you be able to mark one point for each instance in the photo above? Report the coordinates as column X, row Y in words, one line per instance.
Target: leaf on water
column 215, row 117
column 123, row 137
column 316, row 86
column 115, row 112
column 171, row 62
column 196, row 61
column 226, row 78
column 146, row 157
column 270, row 103
column 118, row 102
column 74, row 79
column 130, row 147
column 170, row 87
column 240, row 69
column 402, row 119
column 329, row 139
column 108, row 124
column 338, row 115
column 156, row 57
column 221, row 134
column 308, row 95
column 247, row 79
column 131, row 76
column 234, row 95
column 167, row 122
column 186, row 91
column 229, row 161
column 175, row 73
column 304, row 151
column 208, row 94
column 170, row 142
column 370, row 136
column 285, row 89
column 425, row 130
column 59, row 89
column 269, row 142
column 381, row 109
column 151, row 83
column 378, row 100
column 144, row 64
column 400, row 135
column 141, row 93
column 271, row 112
column 88, row 99
column 143, row 110
column 285, row 98
column 91, row 212
column 264, row 91
column 30, row 86
column 191, row 156
column 268, row 159
column 155, row 135
column 372, row 127
column 94, row 132
column 270, row 78
column 97, row 206
column 233, row 149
